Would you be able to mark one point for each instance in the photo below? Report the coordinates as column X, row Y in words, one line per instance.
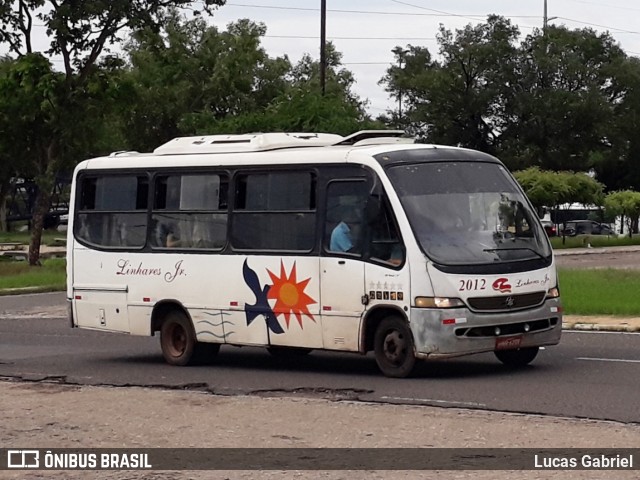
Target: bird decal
column 261, row 307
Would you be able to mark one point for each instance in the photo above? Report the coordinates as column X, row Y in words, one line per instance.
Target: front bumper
column 439, row 333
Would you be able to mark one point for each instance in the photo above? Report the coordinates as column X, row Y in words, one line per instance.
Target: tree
column 624, row 203
column 8, row 152
column 544, row 188
column 296, row 102
column 190, row 77
column 619, row 165
column 549, row 189
column 460, row 99
column 563, row 111
column 79, row 32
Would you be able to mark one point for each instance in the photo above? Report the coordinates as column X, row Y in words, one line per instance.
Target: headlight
column 438, row 302
column 553, row 292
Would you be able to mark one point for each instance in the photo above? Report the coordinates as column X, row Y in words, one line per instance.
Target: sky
column 365, row 31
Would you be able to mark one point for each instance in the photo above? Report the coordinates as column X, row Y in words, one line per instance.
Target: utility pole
column 400, row 53
column 323, row 43
column 546, row 18
column 400, row 93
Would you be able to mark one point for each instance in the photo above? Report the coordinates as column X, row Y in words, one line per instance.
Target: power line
column 315, row 37
column 369, row 12
column 607, row 6
column 447, row 14
column 618, row 30
column 436, row 13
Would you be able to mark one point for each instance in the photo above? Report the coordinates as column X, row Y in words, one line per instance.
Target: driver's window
column 346, row 202
column 386, row 244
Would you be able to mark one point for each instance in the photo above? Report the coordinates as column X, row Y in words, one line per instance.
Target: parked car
column 550, row 228
column 586, row 227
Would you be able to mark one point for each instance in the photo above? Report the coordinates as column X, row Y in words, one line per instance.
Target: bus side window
column 189, row 211
column 274, row 211
column 112, row 211
column 386, row 244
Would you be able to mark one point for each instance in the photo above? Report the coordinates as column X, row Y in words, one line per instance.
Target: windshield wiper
column 514, row 248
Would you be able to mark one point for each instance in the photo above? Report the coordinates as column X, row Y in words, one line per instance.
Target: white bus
column 296, row 242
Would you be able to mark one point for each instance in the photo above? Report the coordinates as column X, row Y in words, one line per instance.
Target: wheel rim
column 395, row 347
column 177, row 341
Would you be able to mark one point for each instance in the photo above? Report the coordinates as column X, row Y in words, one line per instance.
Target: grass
column 48, row 237
column 50, row 276
column 600, row 292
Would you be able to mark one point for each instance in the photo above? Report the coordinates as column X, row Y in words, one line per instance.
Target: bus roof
column 272, row 141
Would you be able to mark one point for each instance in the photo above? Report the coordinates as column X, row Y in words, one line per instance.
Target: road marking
column 431, row 400
column 608, row 360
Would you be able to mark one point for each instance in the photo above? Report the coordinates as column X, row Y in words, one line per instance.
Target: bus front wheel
column 394, row 349
column 517, row 358
column 179, row 344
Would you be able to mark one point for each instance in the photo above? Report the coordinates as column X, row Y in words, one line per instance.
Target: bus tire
column 517, row 358
column 288, row 352
column 179, row 344
column 394, row 348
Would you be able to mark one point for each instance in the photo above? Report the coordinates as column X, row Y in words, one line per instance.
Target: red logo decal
column 502, row 285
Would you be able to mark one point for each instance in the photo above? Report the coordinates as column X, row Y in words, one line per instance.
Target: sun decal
column 289, row 295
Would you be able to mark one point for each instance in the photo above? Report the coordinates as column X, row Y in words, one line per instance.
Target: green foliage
column 551, row 189
column 193, row 79
column 458, row 100
column 626, row 203
column 59, row 111
column 600, row 292
column 562, row 100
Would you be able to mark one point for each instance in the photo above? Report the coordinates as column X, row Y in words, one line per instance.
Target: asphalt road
column 589, row 375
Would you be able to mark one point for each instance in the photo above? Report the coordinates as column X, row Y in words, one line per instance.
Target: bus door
column 386, row 272
column 342, row 283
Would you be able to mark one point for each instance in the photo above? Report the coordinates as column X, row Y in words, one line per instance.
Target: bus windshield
column 468, row 213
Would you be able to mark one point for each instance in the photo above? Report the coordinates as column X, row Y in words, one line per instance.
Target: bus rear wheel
column 179, row 344
column 517, row 358
column 393, row 347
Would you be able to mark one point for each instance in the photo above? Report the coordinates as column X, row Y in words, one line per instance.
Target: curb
column 595, row 250
column 30, row 290
column 595, row 327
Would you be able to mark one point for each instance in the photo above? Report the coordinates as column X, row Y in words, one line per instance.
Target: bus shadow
column 345, row 364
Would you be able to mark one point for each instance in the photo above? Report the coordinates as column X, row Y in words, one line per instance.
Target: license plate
column 508, row 343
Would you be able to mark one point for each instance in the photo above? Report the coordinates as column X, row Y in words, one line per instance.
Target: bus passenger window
column 190, row 212
column 274, row 211
column 112, row 211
